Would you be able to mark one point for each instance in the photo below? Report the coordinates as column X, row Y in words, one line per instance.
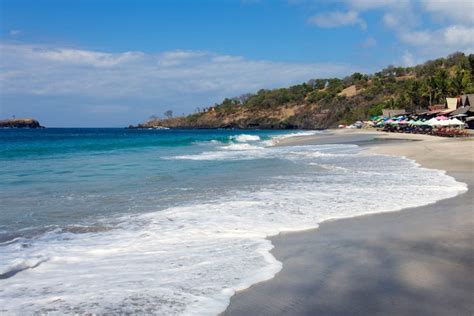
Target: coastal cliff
column 20, row 123
column 291, row 116
column 323, row 103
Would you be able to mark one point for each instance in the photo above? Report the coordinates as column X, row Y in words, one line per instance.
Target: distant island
column 324, row 103
column 20, row 123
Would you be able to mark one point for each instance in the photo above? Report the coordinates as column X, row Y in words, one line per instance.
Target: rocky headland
column 20, row 123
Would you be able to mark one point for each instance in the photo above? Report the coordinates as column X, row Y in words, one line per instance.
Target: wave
column 19, row 265
column 247, row 147
column 244, row 146
column 243, row 138
column 278, row 138
column 245, row 151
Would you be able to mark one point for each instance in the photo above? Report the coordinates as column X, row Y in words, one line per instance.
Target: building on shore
column 453, row 103
column 465, row 111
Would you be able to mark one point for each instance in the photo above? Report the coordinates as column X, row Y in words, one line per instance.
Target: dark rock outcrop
column 20, row 123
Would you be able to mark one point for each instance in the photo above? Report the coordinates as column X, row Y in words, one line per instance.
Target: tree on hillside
column 438, row 86
column 430, row 85
column 414, row 94
column 457, row 59
column 459, row 82
column 442, row 85
column 317, row 83
column 357, row 76
column 389, row 71
column 471, row 64
column 244, row 97
column 400, row 71
column 168, row 114
column 154, row 117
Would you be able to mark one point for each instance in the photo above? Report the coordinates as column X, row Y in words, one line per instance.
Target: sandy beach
column 417, row 261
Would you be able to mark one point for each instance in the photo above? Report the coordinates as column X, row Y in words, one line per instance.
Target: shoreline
column 319, row 274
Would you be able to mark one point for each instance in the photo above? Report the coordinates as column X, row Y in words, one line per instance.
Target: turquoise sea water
column 173, row 221
column 71, row 176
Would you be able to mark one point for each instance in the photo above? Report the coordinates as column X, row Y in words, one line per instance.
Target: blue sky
column 112, row 63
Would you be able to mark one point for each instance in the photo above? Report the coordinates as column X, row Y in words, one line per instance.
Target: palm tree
column 458, row 82
column 414, row 95
column 442, row 86
column 431, row 88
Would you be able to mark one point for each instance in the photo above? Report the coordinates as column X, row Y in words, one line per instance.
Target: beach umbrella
column 432, row 122
column 444, row 123
column 455, row 122
column 441, row 118
column 436, row 123
column 418, row 123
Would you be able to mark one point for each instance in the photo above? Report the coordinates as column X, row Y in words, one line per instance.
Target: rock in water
column 20, row 123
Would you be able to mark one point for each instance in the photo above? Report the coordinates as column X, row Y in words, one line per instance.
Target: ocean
column 173, row 222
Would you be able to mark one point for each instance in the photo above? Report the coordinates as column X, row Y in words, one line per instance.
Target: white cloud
column 167, row 76
column 442, row 41
column 458, row 35
column 227, row 59
column 417, row 38
column 337, row 19
column 459, row 11
column 80, row 57
column 391, row 20
column 363, row 5
column 427, row 28
column 178, row 57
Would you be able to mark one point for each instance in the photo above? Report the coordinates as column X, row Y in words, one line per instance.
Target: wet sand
column 418, row 261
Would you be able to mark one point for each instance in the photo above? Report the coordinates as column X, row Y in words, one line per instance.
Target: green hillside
column 326, row 102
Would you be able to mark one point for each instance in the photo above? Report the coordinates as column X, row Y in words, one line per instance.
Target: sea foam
column 245, row 138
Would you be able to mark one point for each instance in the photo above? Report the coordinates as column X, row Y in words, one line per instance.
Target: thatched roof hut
column 467, row 99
